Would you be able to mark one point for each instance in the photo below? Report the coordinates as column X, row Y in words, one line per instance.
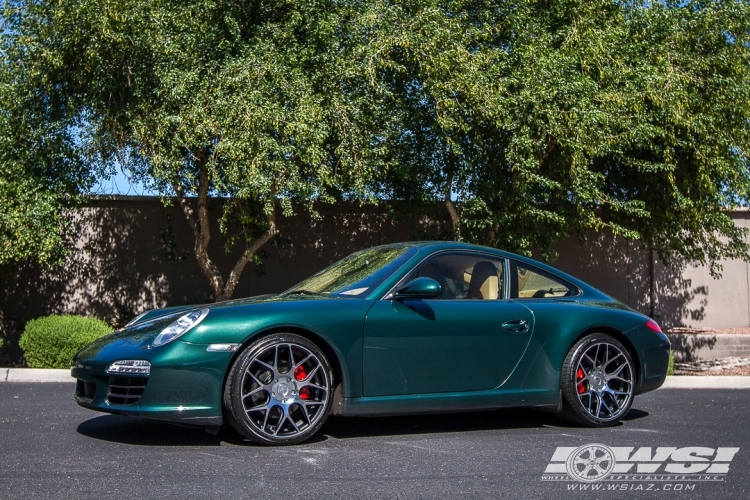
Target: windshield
column 358, row 274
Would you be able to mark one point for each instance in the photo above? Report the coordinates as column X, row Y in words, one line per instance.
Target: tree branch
column 234, row 277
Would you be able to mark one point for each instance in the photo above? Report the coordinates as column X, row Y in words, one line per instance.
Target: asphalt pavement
column 51, row 448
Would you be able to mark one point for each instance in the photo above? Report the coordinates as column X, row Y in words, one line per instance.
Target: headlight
column 179, row 327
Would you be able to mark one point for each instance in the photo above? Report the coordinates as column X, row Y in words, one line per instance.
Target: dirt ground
column 706, row 371
column 739, row 371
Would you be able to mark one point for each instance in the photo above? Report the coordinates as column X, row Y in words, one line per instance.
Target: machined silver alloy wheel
column 280, row 390
column 598, row 381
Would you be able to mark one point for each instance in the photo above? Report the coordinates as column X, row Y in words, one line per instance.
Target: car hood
column 150, row 323
column 152, row 315
column 139, row 334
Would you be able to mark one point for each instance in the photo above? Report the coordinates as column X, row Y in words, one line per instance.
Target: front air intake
column 85, row 389
column 125, row 390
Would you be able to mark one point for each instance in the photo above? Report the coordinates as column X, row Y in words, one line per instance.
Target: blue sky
column 121, row 184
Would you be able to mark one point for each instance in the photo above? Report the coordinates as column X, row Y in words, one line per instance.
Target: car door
column 468, row 339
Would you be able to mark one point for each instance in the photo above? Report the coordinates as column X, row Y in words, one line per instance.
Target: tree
column 532, row 121
column 529, row 121
column 254, row 102
column 40, row 175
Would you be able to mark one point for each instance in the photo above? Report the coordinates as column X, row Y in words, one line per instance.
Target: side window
column 464, row 276
column 530, row 283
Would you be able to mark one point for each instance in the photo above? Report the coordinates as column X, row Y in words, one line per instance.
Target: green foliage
column 52, row 341
column 259, row 102
column 545, row 119
column 42, row 169
column 41, row 172
column 253, row 93
column 39, row 175
column 530, row 120
column 31, row 222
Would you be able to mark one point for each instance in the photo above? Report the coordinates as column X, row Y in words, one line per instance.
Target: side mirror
column 419, row 288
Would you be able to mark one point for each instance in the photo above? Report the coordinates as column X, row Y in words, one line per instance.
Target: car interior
column 463, row 276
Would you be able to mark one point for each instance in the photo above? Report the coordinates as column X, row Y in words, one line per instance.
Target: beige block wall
column 718, row 303
column 687, row 297
column 121, row 264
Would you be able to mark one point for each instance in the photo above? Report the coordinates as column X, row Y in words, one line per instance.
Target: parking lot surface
column 51, row 448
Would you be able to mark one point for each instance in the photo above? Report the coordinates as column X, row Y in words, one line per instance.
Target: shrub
column 670, row 367
column 52, row 341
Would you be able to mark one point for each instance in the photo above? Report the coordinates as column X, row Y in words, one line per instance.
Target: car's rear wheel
column 279, row 390
column 598, row 382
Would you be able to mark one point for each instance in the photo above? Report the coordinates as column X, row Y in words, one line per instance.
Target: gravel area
column 709, row 331
column 726, row 366
column 739, row 371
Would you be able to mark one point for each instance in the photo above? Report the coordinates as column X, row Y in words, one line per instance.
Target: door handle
column 516, row 326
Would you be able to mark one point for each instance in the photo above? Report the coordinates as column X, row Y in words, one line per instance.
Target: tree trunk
column 200, row 224
column 3, row 333
column 451, row 207
column 201, row 230
column 4, row 345
column 651, row 283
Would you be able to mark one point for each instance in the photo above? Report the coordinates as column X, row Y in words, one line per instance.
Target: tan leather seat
column 484, row 283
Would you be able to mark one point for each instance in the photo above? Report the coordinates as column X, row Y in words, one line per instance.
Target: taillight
column 653, row 326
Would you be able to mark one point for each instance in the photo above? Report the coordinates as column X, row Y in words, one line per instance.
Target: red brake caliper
column 304, row 393
column 300, row 374
column 580, row 384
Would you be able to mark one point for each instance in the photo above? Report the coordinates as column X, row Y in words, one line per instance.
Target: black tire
column 279, row 390
column 597, row 382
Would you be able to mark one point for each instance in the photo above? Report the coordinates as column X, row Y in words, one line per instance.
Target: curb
column 673, row 382
column 707, row 382
column 35, row 375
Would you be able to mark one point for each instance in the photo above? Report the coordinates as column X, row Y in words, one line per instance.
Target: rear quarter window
column 528, row 282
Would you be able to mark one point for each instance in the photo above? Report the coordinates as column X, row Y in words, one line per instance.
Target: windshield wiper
column 303, row 292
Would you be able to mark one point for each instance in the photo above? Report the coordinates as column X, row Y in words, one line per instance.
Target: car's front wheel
column 598, row 382
column 279, row 390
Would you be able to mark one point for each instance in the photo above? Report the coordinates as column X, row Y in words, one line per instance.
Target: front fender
column 339, row 323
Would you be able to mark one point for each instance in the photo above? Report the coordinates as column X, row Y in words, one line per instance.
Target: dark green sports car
column 395, row 329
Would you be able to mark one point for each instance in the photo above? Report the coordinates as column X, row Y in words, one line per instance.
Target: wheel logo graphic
column 590, row 463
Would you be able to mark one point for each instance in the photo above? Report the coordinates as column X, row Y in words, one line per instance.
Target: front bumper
column 184, row 386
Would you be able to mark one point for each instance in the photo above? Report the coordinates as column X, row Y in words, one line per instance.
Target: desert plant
column 670, row 366
column 52, row 341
